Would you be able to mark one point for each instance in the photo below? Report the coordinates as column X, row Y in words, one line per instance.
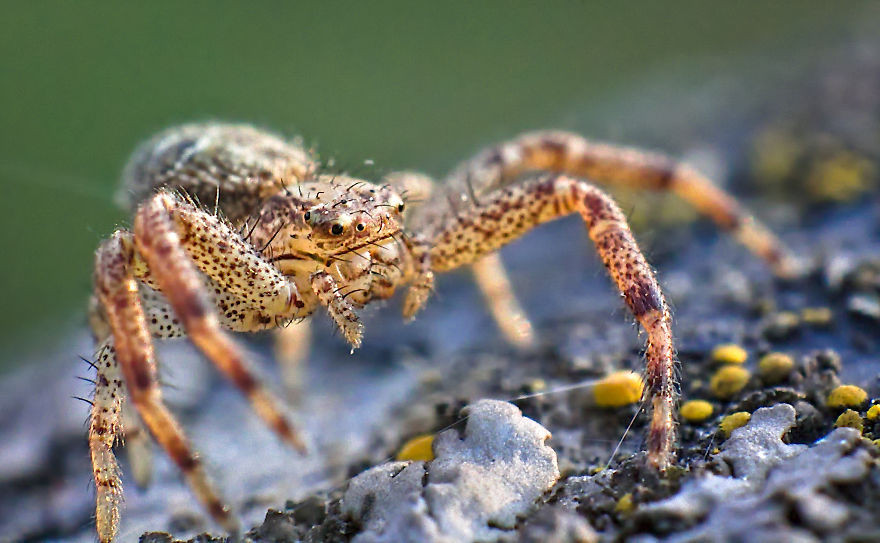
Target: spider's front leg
column 508, row 213
column 129, row 354
column 171, row 239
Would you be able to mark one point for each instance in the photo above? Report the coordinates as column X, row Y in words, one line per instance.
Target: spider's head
column 333, row 215
column 355, row 214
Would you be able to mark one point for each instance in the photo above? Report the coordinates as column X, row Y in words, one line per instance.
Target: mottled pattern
column 572, row 154
column 237, row 230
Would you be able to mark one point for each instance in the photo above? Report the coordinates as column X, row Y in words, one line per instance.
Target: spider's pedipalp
column 341, row 312
column 509, row 213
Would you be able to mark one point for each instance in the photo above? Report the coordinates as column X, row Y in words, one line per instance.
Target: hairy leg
column 171, row 236
column 138, row 446
column 508, row 213
column 571, row 154
column 104, row 432
column 292, row 343
column 132, row 350
column 500, row 297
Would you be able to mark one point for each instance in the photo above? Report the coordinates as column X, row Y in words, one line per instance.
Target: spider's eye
column 400, row 208
column 336, row 229
column 308, row 215
column 360, row 227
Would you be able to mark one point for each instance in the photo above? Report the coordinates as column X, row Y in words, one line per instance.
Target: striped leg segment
column 510, row 212
column 571, row 154
column 118, row 292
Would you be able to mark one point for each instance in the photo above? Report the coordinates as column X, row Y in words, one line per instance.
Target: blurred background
column 406, row 85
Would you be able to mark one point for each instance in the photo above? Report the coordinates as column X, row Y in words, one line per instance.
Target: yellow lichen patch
column 849, row 419
column 618, row 389
column 729, row 353
column 775, row 154
column 847, row 396
column 775, row 367
column 873, row 413
column 840, row 178
column 733, row 421
column 696, row 410
column 817, row 316
column 625, row 504
column 417, row 448
column 729, row 380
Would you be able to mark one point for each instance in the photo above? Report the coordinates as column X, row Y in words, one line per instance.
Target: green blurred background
column 409, row 85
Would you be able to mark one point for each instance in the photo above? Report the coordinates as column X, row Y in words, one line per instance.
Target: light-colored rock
column 474, row 489
column 770, row 479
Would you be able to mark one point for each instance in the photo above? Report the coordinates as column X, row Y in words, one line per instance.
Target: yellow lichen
column 729, row 380
column 733, row 421
column 774, row 154
column 847, row 396
column 625, row 504
column 618, row 389
column 729, row 353
column 775, row 367
column 417, row 448
column 696, row 410
column 873, row 413
column 840, row 178
column 817, row 316
column 849, row 419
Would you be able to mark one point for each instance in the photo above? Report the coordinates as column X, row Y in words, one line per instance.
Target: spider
column 284, row 238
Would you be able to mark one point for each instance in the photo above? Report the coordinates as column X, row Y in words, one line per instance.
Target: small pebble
column 733, row 421
column 847, row 396
column 817, row 316
column 618, row 389
column 781, row 326
column 864, row 305
column 729, row 380
column 729, row 353
column 696, row 410
column 849, row 419
column 417, row 448
column 775, row 367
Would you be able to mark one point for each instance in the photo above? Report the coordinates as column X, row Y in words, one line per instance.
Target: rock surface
column 771, row 481
column 474, row 490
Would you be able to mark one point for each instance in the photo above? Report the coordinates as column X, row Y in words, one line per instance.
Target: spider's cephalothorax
column 274, row 240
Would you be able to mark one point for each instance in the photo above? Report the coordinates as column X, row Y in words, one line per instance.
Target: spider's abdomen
column 236, row 165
